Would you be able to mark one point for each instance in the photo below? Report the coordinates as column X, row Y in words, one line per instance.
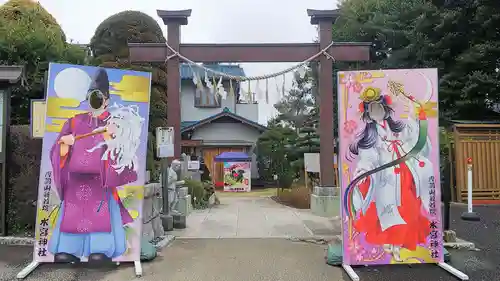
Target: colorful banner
column 237, row 176
column 93, row 165
column 389, row 166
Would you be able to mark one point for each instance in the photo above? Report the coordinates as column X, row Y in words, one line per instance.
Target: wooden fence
column 481, row 142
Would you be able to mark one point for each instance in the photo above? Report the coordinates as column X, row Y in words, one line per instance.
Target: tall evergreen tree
column 469, row 85
column 308, row 138
column 109, row 46
column 31, row 37
column 294, row 108
column 460, row 38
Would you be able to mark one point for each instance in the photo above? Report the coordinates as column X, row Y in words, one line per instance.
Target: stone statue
column 174, row 168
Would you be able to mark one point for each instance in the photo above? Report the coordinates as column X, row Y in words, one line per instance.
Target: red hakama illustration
column 408, row 235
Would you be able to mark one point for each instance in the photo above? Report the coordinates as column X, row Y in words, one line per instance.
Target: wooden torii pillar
column 289, row 52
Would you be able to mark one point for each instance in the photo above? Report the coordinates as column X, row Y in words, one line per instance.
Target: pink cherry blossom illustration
column 366, row 75
column 357, row 87
column 354, row 246
column 350, row 127
column 351, row 83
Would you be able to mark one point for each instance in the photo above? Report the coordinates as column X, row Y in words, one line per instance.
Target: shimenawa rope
column 250, row 78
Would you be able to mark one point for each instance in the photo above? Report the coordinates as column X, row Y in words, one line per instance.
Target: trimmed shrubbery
column 23, row 167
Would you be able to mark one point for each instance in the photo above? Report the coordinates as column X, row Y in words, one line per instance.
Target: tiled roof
column 486, row 122
column 191, row 125
column 185, row 124
column 231, row 69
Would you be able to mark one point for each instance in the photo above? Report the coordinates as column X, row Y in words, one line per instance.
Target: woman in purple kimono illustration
column 91, row 219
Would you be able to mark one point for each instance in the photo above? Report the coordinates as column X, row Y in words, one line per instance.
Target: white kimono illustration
column 385, row 186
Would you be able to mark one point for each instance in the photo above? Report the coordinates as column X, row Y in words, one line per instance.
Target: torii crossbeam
column 293, row 52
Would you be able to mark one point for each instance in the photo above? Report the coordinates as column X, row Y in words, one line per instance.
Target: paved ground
column 482, row 265
column 274, row 259
column 256, row 217
column 14, row 258
column 244, row 259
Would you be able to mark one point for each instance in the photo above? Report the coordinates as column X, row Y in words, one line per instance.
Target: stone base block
column 184, row 205
column 325, row 206
column 179, row 222
column 152, row 225
column 182, row 192
column 167, row 222
column 326, row 190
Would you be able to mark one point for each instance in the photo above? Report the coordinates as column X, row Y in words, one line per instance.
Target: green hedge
column 23, row 168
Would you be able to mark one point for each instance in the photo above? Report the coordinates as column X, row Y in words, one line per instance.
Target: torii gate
column 288, row 52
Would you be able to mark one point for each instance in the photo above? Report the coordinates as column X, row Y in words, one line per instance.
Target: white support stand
column 27, row 270
column 138, row 268
column 453, row 271
column 470, row 215
column 34, row 264
column 352, row 274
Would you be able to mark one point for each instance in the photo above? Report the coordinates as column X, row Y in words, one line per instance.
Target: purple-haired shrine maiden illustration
column 389, row 167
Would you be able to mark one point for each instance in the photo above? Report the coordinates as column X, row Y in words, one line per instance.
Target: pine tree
column 308, row 139
column 294, row 108
column 276, row 153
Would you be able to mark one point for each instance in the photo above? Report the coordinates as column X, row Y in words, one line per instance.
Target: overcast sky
column 212, row 21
